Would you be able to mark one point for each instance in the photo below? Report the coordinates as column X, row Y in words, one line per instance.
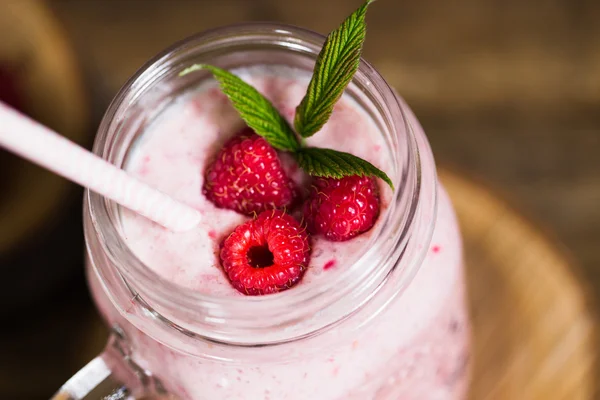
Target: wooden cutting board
column 534, row 330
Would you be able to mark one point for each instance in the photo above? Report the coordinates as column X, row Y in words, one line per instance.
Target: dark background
column 507, row 91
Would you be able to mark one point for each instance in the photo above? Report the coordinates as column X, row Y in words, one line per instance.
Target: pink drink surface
column 174, row 154
column 417, row 349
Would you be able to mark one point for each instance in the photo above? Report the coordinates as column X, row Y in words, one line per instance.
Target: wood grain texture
column 534, row 330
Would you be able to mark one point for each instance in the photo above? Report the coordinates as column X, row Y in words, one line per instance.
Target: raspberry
column 247, row 176
column 266, row 255
column 340, row 209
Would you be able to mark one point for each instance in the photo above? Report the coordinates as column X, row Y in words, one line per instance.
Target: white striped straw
column 40, row 145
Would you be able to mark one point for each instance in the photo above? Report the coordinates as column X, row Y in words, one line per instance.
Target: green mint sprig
column 330, row 163
column 256, row 110
column 336, row 65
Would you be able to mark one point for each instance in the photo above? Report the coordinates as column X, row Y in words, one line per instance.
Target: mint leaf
column 256, row 110
column 336, row 64
column 329, row 163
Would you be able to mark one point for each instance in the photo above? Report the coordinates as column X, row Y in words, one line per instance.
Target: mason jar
column 393, row 325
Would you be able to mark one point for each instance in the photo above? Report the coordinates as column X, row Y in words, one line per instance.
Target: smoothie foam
column 176, row 149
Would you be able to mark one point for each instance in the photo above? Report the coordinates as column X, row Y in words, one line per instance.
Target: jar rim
column 160, row 294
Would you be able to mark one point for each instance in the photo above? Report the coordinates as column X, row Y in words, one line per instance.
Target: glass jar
column 392, row 325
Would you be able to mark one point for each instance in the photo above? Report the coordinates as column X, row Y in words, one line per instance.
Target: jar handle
column 112, row 375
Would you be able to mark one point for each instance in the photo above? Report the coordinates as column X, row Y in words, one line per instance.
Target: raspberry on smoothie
column 266, row 255
column 181, row 154
column 247, row 176
column 341, row 209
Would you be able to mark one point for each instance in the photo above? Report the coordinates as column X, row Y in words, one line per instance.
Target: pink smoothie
column 173, row 156
column 416, row 350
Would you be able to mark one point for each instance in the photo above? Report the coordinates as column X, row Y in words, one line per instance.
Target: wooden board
column 534, row 332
